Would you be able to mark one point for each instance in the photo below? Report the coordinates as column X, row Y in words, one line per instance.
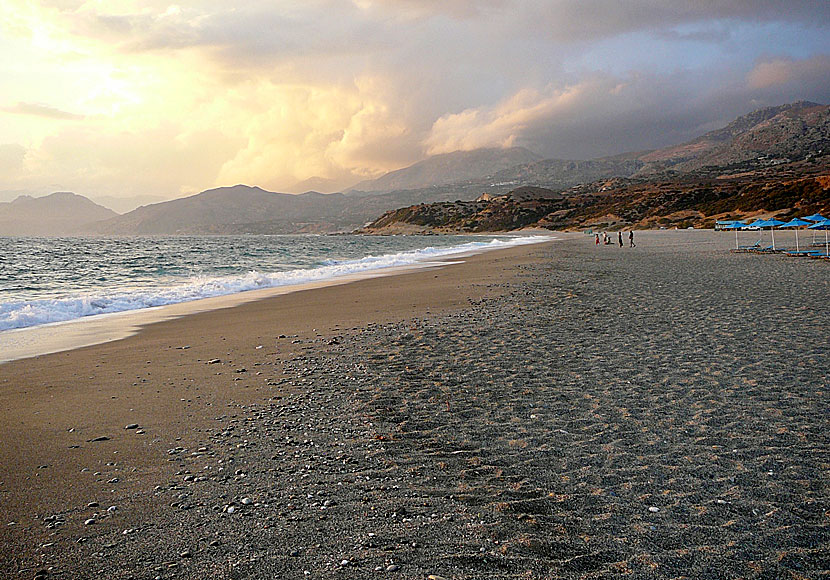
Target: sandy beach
column 551, row 411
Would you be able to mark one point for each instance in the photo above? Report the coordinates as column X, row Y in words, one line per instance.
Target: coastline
column 16, row 344
column 517, row 415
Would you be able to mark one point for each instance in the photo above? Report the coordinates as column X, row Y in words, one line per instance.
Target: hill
column 761, row 147
column 766, row 137
column 448, row 169
column 230, row 210
column 797, row 189
column 57, row 214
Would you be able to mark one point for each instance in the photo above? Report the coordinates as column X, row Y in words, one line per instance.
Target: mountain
column 448, row 169
column 230, row 210
column 319, row 184
column 795, row 189
column 124, row 204
column 769, row 136
column 57, row 214
column 763, row 147
column 564, row 173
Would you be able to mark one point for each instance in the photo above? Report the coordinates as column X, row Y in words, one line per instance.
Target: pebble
column 89, row 522
column 132, row 426
column 392, row 568
column 653, row 509
column 186, row 554
column 230, row 509
column 101, row 438
column 246, row 501
column 435, row 577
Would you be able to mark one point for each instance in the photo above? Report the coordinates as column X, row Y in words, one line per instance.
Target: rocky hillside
column 448, row 169
column 786, row 191
column 58, row 214
column 767, row 137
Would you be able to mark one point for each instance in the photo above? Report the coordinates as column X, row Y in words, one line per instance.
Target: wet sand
column 552, row 411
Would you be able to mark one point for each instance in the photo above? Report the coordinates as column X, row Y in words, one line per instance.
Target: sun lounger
column 748, row 248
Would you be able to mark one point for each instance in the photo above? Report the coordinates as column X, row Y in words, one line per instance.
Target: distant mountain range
column 795, row 136
column 57, row 214
column 449, row 168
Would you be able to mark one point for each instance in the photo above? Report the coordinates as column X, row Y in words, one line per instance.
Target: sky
column 138, row 100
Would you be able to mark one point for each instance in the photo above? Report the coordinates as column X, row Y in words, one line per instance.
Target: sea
column 47, row 281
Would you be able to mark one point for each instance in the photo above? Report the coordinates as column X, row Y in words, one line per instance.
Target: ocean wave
column 23, row 314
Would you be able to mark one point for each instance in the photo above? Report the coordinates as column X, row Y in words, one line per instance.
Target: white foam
column 24, row 314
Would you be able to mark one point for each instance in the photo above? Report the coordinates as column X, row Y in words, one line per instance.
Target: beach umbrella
column 795, row 223
column 736, row 225
column 772, row 224
column 816, row 217
column 825, row 225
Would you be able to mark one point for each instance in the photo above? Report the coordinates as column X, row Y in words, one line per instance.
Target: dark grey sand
column 657, row 412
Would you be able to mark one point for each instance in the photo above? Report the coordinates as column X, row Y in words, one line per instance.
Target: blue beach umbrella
column 735, row 225
column 816, row 217
column 825, row 225
column 772, row 224
column 794, row 223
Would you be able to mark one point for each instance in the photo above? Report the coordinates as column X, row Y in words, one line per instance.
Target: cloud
column 11, row 158
column 607, row 114
column 579, row 21
column 303, row 131
column 44, row 111
column 426, row 8
column 781, row 72
column 177, row 98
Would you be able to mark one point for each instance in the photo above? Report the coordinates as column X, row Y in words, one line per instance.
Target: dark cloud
column 608, row 114
column 44, row 111
column 579, row 21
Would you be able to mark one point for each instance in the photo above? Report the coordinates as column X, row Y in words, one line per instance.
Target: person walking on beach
column 631, row 239
column 620, row 236
column 597, row 240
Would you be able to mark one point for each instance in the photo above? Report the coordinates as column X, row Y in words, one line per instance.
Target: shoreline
column 50, row 338
column 553, row 410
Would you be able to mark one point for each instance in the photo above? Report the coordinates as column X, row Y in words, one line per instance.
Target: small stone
column 435, row 577
column 246, row 501
column 93, row 504
column 101, row 438
column 89, row 522
column 214, row 361
column 186, row 554
column 344, row 562
column 294, row 553
column 392, row 568
column 112, row 508
column 653, row 509
column 132, row 426
column 230, row 509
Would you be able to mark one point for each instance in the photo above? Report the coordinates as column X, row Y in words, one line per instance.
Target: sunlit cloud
column 125, row 97
column 40, row 111
column 787, row 71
